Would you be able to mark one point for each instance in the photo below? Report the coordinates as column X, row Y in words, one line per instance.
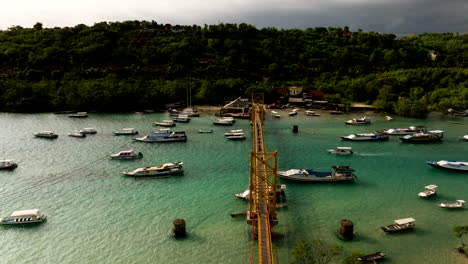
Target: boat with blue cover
column 338, row 174
column 165, row 136
column 450, row 165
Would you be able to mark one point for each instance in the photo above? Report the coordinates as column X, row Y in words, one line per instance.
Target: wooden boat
column 429, row 137
column 450, row 165
column 372, row 257
column 430, row 191
column 205, row 131
column 365, row 137
column 359, row 121
column 159, row 170
column 23, row 217
column 7, row 165
column 126, row 132
column 400, row 225
column 338, row 174
column 46, row 134
column 457, row 204
column 341, row 151
column 165, row 123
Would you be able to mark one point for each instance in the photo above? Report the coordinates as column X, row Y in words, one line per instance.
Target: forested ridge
column 123, row 66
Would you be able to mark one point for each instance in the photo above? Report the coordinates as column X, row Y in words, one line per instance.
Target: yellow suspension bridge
column 262, row 203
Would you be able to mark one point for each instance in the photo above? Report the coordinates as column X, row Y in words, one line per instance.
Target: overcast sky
column 390, row 16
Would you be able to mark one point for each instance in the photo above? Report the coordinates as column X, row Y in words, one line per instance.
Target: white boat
column 225, row 121
column 190, row 112
column 457, row 204
column 164, row 136
column 46, row 134
column 341, row 151
column 275, row 114
column 280, row 195
column 403, row 131
column 181, row 118
column 7, row 165
column 23, row 217
column 310, row 113
column 236, row 137
column 430, row 191
column 399, row 225
column 77, row 134
column 88, row 130
column 234, row 132
column 205, row 130
column 159, row 170
column 165, row 123
column 79, row 115
column 388, row 118
column 127, row 154
column 464, row 138
column 359, row 121
column 450, row 164
column 365, row 137
column 293, row 112
column 338, row 174
column 126, row 132
column 430, row 136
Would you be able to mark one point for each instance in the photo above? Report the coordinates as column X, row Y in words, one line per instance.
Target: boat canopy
column 344, row 148
column 431, row 186
column 25, row 212
column 405, row 221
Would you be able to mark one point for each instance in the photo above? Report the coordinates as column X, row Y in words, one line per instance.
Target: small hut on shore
column 239, row 108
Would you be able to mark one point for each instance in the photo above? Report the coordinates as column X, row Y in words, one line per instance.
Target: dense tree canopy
column 105, row 66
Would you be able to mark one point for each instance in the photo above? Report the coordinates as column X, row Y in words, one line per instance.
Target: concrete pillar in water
column 295, row 129
column 347, row 229
column 179, row 228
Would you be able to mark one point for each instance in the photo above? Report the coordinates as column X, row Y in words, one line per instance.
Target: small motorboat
column 338, row 174
column 365, row 137
column 181, row 118
column 236, row 137
column 430, row 136
column 79, row 115
column 127, row 155
column 430, row 191
column 165, row 123
column 457, row 204
column 205, row 131
column 88, row 130
column 310, row 113
column 77, row 134
column 461, row 166
column 399, row 225
column 23, row 217
column 372, row 257
column 341, row 151
column 126, row 132
column 46, row 134
column 388, row 118
column 463, row 138
column 225, row 121
column 159, row 170
column 275, row 114
column 7, row 165
column 359, row 121
column 293, row 112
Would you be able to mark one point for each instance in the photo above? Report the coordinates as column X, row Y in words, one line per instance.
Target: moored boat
column 46, row 134
column 464, row 138
column 280, row 195
column 126, row 132
column 77, row 134
column 338, row 174
column 79, row 115
column 359, row 121
column 275, row 114
column 388, row 118
column 165, row 123
column 293, row 112
column 310, row 113
column 164, row 136
column 181, row 118
column 403, row 131
column 372, row 257
column 159, row 170
column 205, row 130
column 400, row 225
column 457, row 204
column 88, row 130
column 430, row 191
column 23, row 217
column 365, row 137
column 7, row 165
column 430, row 136
column 236, row 137
column 450, row 165
column 341, row 151
column 127, row 155
column 225, row 121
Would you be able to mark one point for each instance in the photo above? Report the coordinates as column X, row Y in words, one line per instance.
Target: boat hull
column 310, row 178
column 364, row 139
column 436, row 165
column 155, row 173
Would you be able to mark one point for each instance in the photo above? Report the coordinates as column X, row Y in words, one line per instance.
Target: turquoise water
column 96, row 215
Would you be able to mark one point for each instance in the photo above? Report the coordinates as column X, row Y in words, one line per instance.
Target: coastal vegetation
column 123, row 66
